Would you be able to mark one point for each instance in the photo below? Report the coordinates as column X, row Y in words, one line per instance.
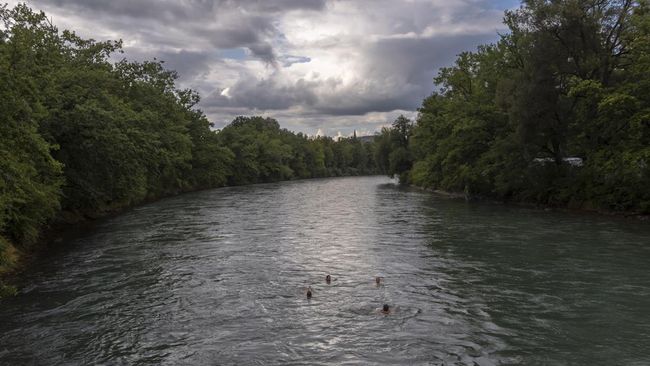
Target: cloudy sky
column 315, row 65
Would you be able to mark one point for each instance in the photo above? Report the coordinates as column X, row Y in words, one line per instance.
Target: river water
column 219, row 277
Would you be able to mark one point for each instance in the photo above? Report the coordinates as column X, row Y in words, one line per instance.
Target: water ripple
column 219, row 277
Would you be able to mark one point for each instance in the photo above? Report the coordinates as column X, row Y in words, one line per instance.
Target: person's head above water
column 378, row 280
column 328, row 278
column 309, row 292
column 385, row 308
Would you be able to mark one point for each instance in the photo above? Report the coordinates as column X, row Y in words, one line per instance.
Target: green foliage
column 211, row 162
column 30, row 178
column 263, row 152
column 86, row 135
column 392, row 152
column 571, row 79
column 7, row 255
column 8, row 259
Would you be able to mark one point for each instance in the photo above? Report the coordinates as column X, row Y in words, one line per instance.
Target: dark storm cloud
column 183, row 10
column 340, row 62
column 265, row 94
column 253, row 32
column 398, row 75
column 277, row 5
column 142, row 9
column 264, row 51
column 187, row 64
column 192, row 67
column 225, row 23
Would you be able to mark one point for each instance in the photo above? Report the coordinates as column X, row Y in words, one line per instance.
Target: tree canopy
column 82, row 134
column 556, row 112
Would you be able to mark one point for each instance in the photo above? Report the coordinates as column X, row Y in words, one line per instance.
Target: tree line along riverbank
column 83, row 136
column 556, row 113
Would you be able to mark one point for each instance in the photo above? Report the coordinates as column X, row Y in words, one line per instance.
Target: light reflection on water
column 218, row 277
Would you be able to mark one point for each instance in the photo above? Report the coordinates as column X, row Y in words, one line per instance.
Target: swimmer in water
column 309, row 292
column 378, row 281
column 385, row 309
column 328, row 279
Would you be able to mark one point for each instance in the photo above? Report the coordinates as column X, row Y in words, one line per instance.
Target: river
column 219, row 277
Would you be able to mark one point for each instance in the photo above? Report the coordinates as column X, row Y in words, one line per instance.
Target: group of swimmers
column 328, row 280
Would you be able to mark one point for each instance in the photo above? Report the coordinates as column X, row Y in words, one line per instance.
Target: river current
column 218, row 277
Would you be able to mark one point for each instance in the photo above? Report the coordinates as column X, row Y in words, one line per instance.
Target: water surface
column 218, row 277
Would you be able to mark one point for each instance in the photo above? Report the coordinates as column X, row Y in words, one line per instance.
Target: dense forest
column 557, row 112
column 82, row 135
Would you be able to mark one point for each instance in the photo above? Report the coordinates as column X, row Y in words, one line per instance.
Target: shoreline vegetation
column 555, row 114
column 84, row 136
column 536, row 206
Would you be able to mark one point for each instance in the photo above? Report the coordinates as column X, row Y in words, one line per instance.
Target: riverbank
column 14, row 261
column 584, row 209
column 18, row 257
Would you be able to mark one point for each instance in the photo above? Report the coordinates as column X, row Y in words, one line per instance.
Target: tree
column 30, row 178
column 570, row 79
